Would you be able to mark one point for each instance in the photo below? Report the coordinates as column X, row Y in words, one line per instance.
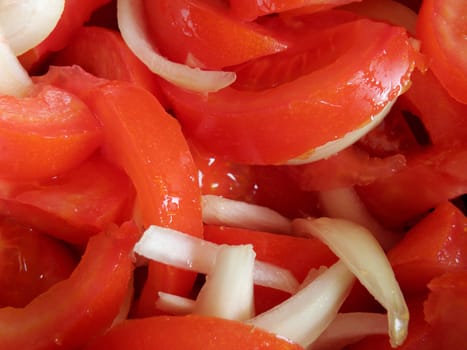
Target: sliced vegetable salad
column 233, row 174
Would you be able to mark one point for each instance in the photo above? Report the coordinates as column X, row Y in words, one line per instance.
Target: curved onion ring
column 130, row 17
column 27, row 23
column 362, row 254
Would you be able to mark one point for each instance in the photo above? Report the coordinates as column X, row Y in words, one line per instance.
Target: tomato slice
column 192, row 39
column 372, row 66
column 30, row 263
column 93, row 48
column 44, row 134
column 75, row 13
column 189, row 332
column 81, row 307
column 435, row 245
column 143, row 139
column 430, row 178
column 442, row 29
column 75, row 205
column 249, row 10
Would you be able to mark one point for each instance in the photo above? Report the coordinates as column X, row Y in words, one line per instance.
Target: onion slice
column 218, row 210
column 348, row 328
column 14, row 80
column 26, row 23
column 178, row 249
column 130, row 15
column 332, row 147
column 228, row 290
column 358, row 248
column 174, row 304
column 305, row 315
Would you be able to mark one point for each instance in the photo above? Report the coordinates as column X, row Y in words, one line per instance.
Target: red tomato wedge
column 75, row 13
column 437, row 244
column 92, row 48
column 249, row 10
column 193, row 40
column 148, row 144
column 372, row 65
column 189, row 332
column 81, row 307
column 73, row 206
column 45, row 134
column 442, row 29
column 30, row 263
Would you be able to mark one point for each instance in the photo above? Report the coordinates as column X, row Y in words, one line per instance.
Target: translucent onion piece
column 306, row 314
column 130, row 17
column 358, row 248
column 228, row 290
column 174, row 304
column 344, row 203
column 218, row 210
column 26, row 23
column 175, row 248
column 332, row 147
column 348, row 328
column 14, row 80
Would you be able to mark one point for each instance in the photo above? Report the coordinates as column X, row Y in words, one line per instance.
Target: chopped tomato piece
column 75, row 205
column 189, row 332
column 81, row 307
column 373, row 71
column 437, row 244
column 45, row 134
column 30, row 263
column 192, row 39
column 442, row 28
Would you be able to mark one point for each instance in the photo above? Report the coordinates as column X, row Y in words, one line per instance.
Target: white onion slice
column 218, row 210
column 26, row 23
column 228, row 289
column 130, row 17
column 175, row 248
column 344, row 203
column 14, row 80
column 332, row 147
column 174, row 304
column 358, row 248
column 305, row 315
column 348, row 328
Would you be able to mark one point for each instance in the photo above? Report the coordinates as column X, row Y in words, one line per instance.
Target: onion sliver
column 348, row 328
column 332, row 147
column 26, row 23
column 178, row 249
column 344, row 203
column 130, row 17
column 218, row 210
column 306, row 314
column 174, row 304
column 358, row 248
column 228, row 289
column 14, row 80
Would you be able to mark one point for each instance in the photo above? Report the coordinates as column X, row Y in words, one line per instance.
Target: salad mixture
column 241, row 174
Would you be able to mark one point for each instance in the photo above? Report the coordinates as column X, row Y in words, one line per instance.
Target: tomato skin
column 75, row 13
column 435, row 245
column 191, row 23
column 81, row 307
column 431, row 177
column 93, row 47
column 188, row 332
column 296, row 108
column 45, row 134
column 157, row 159
column 73, row 206
column 30, row 263
column 442, row 31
